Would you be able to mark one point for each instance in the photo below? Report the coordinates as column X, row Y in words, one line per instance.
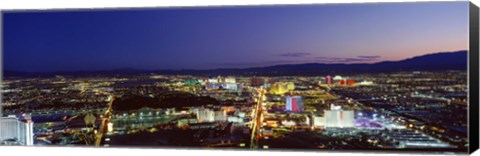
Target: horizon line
column 154, row 70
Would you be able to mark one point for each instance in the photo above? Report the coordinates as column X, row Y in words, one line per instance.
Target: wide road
column 103, row 126
column 257, row 120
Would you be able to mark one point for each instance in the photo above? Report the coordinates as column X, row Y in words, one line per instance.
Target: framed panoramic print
column 367, row 77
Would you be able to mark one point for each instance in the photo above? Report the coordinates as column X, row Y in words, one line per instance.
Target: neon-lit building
column 318, row 121
column 329, row 80
column 220, row 79
column 235, row 119
column 338, row 77
column 204, row 115
column 110, row 127
column 230, row 80
column 294, row 104
column 335, row 107
column 230, row 86
column 212, row 80
column 191, row 82
column 366, row 83
column 220, row 115
column 342, row 82
column 351, row 82
column 212, row 86
column 281, row 87
column 212, row 83
column 229, row 83
column 239, row 86
column 266, row 85
column 21, row 130
column 339, row 118
column 346, row 82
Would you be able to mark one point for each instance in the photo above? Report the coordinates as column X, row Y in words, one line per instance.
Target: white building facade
column 12, row 128
column 339, row 119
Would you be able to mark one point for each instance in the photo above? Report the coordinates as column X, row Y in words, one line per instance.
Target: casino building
column 294, row 104
column 13, row 129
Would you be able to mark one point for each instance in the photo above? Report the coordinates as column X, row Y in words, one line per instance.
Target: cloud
column 295, row 54
column 369, row 57
column 299, row 58
column 358, row 59
column 337, row 60
column 259, row 64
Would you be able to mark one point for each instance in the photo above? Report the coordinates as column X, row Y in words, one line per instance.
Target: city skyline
column 230, row 37
column 377, row 77
column 439, row 56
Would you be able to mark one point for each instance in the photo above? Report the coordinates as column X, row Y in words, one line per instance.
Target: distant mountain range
column 430, row 62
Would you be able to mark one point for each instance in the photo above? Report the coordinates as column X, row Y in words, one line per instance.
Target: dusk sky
column 230, row 37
